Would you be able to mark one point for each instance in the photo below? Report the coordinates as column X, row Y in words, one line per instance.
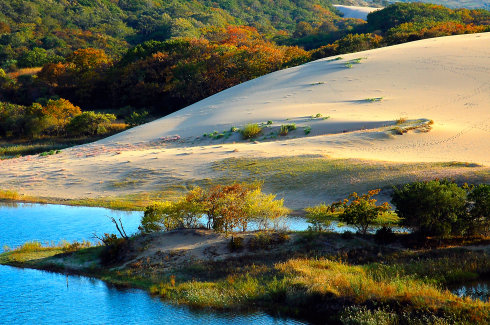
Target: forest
column 134, row 58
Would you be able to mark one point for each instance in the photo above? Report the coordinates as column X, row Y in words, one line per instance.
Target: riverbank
column 314, row 276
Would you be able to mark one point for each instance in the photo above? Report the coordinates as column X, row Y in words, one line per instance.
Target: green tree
column 90, row 123
column 433, row 208
column 479, row 210
column 361, row 211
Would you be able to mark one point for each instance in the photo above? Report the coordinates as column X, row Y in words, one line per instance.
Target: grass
column 17, row 150
column 401, row 120
column 285, row 128
column 373, row 99
column 9, row 195
column 336, row 178
column 349, row 64
column 250, row 131
column 404, row 125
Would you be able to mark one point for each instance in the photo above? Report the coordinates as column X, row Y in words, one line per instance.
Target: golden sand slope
column 446, row 80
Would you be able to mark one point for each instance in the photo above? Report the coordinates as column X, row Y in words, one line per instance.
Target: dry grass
column 9, row 195
column 24, row 71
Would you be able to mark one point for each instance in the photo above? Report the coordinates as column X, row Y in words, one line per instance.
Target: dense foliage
column 227, row 208
column 55, row 118
column 441, row 208
column 33, row 32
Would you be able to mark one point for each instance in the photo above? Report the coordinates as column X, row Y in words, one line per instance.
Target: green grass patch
column 250, row 131
column 314, row 174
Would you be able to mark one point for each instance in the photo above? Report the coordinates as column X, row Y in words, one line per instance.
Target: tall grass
column 250, row 131
column 9, row 195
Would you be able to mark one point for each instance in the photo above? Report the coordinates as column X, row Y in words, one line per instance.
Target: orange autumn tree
column 60, row 112
column 89, row 59
column 179, row 72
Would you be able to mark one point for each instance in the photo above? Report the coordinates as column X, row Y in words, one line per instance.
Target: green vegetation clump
column 285, row 128
column 442, row 208
column 228, row 208
column 250, row 131
column 361, row 211
column 403, row 126
column 374, row 99
column 320, row 217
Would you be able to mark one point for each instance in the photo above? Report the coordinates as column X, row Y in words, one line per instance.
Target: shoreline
column 281, row 264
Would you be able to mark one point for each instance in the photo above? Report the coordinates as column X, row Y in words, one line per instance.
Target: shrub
column 479, row 210
column 431, row 208
column 250, row 131
column 228, row 208
column 90, row 123
column 347, row 235
column 185, row 213
column 60, row 112
column 319, row 217
column 285, row 128
column 267, row 240
column 357, row 315
column 362, row 211
column 75, row 246
column 115, row 249
column 136, row 118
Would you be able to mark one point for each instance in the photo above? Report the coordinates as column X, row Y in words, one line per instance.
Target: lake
column 40, row 297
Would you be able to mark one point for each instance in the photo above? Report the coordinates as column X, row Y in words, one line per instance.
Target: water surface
column 40, row 297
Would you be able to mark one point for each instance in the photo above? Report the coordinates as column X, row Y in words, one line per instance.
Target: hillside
column 362, row 121
column 63, row 26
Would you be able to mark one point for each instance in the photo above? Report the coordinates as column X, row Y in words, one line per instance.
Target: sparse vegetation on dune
column 323, row 174
column 250, row 131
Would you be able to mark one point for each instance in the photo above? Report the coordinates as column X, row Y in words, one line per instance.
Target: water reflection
column 476, row 290
column 38, row 297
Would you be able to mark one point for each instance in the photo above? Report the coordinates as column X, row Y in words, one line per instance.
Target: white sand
column 443, row 79
column 355, row 11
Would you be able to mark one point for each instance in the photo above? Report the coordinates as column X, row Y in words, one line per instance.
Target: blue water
column 39, row 297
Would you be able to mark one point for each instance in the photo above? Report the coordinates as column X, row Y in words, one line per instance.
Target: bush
column 250, row 131
column 432, row 208
column 285, row 128
column 479, row 210
column 347, row 235
column 229, row 208
column 357, row 315
column 90, row 123
column 362, row 211
column 171, row 215
column 319, row 217
column 267, row 240
column 136, row 118
column 115, row 249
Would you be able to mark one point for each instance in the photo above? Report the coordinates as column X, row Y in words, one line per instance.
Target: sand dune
column 446, row 80
column 355, row 11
